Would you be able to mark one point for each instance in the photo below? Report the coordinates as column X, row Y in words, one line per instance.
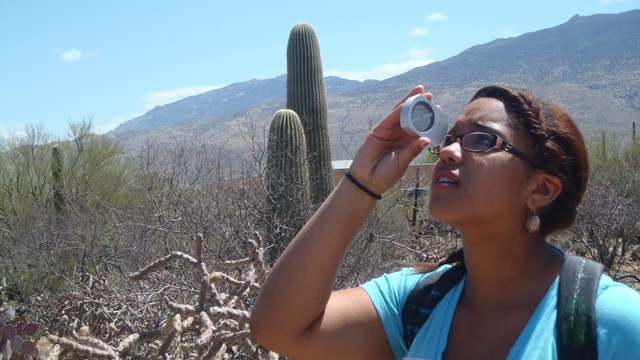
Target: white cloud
column 73, row 55
column 417, row 53
column 437, row 17
column 415, row 57
column 10, row 132
column 607, row 2
column 419, row 32
column 168, row 96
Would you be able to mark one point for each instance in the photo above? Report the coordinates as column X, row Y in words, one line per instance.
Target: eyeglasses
column 479, row 141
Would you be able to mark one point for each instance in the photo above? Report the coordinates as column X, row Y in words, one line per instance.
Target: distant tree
column 42, row 242
column 95, row 167
column 24, row 185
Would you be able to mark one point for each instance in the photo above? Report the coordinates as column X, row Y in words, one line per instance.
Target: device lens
column 422, row 117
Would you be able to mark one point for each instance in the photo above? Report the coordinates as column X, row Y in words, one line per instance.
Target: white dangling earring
column 533, row 224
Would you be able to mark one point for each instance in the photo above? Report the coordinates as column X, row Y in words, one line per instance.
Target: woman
column 512, row 170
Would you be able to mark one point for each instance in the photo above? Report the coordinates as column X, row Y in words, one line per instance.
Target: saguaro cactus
column 287, row 180
column 306, row 96
column 58, row 181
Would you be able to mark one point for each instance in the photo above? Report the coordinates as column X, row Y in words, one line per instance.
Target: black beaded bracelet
column 362, row 187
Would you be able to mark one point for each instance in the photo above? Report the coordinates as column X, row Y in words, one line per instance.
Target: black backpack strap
column 576, row 318
column 425, row 296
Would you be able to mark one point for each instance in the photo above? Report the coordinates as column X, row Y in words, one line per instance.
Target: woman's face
column 481, row 187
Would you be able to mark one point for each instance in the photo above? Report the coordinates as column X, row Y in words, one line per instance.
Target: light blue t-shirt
column 617, row 319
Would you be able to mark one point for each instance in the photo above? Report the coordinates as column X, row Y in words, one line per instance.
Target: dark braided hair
column 558, row 148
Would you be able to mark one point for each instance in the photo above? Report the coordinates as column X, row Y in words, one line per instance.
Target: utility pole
column 416, row 193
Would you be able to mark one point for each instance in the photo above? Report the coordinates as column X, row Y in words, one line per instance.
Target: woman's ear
column 545, row 188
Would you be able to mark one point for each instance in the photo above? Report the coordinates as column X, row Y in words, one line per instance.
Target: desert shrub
column 608, row 219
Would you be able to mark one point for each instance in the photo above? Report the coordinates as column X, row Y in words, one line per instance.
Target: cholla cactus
column 215, row 328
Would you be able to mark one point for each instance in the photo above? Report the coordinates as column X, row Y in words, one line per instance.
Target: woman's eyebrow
column 487, row 128
column 479, row 125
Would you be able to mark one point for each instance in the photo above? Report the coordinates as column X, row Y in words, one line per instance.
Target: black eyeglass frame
column 497, row 142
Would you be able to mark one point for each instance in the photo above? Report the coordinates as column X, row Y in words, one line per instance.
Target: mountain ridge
column 590, row 65
column 226, row 101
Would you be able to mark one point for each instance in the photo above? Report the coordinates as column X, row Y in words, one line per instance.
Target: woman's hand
column 387, row 150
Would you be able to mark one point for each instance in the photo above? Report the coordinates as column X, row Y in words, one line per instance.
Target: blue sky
column 63, row 61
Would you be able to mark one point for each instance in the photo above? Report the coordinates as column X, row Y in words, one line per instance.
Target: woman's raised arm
column 297, row 312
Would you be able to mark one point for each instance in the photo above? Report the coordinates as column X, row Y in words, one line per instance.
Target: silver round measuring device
column 420, row 117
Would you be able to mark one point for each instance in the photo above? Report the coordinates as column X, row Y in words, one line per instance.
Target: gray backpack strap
column 576, row 317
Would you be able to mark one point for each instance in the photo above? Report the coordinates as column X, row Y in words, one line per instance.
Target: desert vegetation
column 157, row 253
column 161, row 253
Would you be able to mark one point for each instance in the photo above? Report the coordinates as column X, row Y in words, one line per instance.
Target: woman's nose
column 451, row 152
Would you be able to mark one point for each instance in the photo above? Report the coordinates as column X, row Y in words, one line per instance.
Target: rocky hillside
column 590, row 65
